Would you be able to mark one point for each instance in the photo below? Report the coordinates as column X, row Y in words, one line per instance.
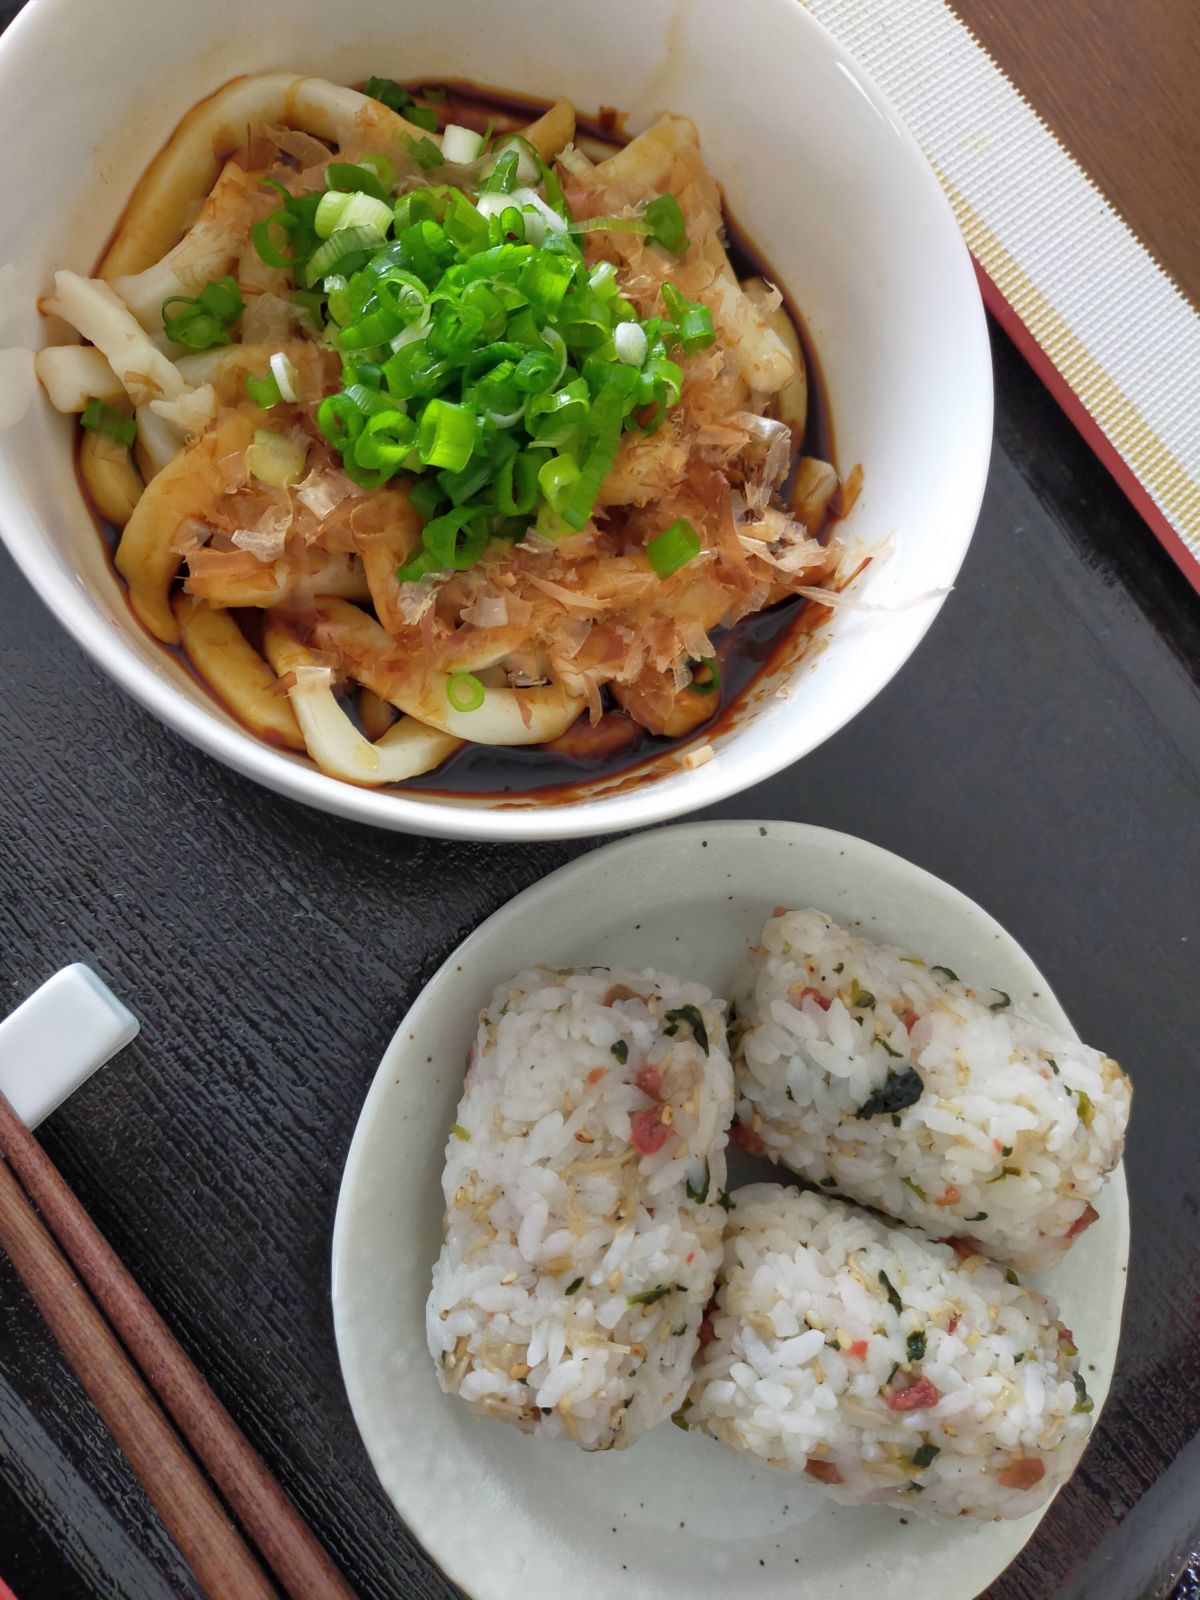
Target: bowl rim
column 445, row 816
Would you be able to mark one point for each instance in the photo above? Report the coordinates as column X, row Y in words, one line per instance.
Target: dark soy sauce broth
column 744, row 652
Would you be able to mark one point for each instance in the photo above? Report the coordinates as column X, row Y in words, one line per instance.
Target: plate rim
column 522, row 903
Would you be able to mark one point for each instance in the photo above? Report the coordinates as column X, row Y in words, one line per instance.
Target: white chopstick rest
column 57, row 1038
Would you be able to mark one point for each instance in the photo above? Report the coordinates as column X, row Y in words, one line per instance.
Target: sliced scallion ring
column 460, row 146
column 284, row 373
column 464, row 691
column 706, row 676
column 673, row 548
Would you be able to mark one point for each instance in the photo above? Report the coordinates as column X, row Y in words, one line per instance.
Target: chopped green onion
column 389, row 93
column 337, row 252
column 464, row 691
column 454, row 540
column 620, row 1050
column 481, row 355
column 556, row 477
column 205, row 320
column 602, row 280
column 398, row 99
column 711, row 682
column 673, row 548
column 667, row 224
column 460, row 145
column 329, row 212
column 517, row 485
column 528, row 160
column 263, row 240
column 915, row 1345
column 545, row 281
column 502, row 179
column 459, row 1132
column 692, row 322
column 1003, row 1003
column 446, row 435
column 612, row 225
column 424, row 152
column 631, row 344
column 263, row 391
column 574, row 1286
column 384, row 171
column 365, row 211
column 284, row 373
column 100, row 417
column 337, row 210
column 359, row 179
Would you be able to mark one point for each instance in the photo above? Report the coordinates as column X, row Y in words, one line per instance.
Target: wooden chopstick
column 287, row 1543
column 190, row 1511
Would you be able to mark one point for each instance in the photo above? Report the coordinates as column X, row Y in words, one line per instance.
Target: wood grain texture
column 199, row 1524
column 278, row 1535
column 1042, row 751
column 1117, row 84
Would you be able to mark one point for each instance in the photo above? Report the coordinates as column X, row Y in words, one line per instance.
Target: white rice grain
column 916, row 1384
column 583, row 1231
column 900, row 1086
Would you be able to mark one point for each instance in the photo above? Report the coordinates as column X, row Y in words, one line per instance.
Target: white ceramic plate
column 511, row 1518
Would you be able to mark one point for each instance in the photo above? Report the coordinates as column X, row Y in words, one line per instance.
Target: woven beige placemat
column 1089, row 306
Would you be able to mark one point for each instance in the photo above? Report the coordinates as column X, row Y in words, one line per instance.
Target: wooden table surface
column 1041, row 751
column 1117, row 83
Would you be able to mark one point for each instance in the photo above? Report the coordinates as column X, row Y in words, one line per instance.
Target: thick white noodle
column 73, row 374
column 96, row 311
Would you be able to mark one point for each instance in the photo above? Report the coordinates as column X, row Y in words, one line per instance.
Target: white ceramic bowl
column 817, row 170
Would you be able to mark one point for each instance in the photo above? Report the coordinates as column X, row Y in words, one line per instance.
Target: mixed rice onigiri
column 583, row 1230
column 884, row 1368
column 898, row 1085
column 586, row 1230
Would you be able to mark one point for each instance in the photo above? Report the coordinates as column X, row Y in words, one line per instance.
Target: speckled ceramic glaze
column 511, row 1518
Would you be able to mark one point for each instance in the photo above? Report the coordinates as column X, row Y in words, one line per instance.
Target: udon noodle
column 484, row 428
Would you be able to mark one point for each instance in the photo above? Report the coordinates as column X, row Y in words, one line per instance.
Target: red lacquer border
column 1124, row 476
